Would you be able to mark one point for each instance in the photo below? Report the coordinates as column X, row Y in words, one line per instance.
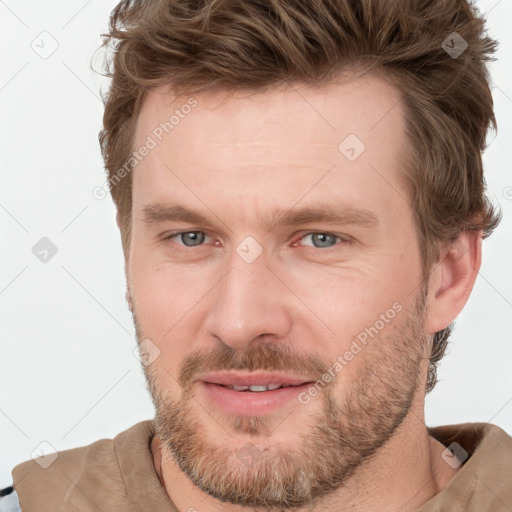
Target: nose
column 249, row 303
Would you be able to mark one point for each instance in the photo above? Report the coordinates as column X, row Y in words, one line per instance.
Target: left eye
column 189, row 238
column 321, row 240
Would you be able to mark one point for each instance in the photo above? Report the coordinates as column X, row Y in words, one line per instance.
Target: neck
column 405, row 473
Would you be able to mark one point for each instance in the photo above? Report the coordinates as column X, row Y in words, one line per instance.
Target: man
column 301, row 200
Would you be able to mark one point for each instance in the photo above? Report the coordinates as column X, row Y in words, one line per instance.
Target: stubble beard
column 341, row 437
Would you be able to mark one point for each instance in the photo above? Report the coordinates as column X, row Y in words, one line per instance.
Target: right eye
column 188, row 238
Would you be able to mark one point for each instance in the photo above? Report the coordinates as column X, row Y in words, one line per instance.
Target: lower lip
column 249, row 402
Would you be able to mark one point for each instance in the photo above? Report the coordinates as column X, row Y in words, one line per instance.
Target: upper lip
column 252, row 379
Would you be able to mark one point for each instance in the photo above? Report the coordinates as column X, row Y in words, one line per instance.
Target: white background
column 68, row 375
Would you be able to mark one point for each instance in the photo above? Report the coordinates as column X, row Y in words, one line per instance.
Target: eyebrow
column 158, row 213
column 337, row 213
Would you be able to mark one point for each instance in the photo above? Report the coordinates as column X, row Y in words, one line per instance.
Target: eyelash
column 342, row 239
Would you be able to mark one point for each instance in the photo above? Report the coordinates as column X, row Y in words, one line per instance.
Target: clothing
column 9, row 500
column 119, row 476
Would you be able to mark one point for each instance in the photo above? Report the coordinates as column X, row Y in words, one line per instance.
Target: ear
column 118, row 220
column 452, row 280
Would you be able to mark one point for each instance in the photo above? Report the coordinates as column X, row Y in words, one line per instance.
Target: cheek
column 164, row 292
column 161, row 307
column 349, row 298
column 164, row 300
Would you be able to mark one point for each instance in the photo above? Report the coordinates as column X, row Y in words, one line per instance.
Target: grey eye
column 322, row 239
column 192, row 238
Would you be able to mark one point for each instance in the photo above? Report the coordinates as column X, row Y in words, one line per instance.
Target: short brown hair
column 197, row 45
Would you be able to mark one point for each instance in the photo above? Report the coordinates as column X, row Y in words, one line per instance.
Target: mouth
column 252, row 394
column 258, row 388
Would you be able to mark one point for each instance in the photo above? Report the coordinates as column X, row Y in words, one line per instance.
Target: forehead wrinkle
column 273, row 144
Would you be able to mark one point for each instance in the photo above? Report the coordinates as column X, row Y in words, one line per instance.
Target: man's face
column 304, row 269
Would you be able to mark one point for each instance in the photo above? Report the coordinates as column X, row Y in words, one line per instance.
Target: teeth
column 257, row 389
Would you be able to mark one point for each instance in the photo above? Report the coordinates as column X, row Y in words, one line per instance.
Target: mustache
column 262, row 357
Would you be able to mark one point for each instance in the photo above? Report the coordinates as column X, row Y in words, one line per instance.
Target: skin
column 236, row 159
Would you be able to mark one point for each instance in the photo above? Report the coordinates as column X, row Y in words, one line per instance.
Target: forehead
column 364, row 105
column 286, row 136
